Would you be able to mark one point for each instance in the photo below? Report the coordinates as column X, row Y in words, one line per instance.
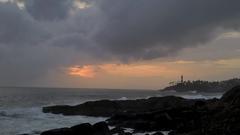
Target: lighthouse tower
column 181, row 78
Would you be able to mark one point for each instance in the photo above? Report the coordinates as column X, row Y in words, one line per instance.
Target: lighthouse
column 181, row 78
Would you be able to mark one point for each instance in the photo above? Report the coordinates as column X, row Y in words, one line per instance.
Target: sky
column 128, row 44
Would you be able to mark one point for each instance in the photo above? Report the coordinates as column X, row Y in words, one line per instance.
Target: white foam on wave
column 191, row 95
column 33, row 121
column 201, row 96
column 7, row 114
column 197, row 96
column 123, row 98
column 130, row 130
column 193, row 91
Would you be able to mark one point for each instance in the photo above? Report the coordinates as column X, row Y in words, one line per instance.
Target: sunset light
column 156, row 67
column 83, row 71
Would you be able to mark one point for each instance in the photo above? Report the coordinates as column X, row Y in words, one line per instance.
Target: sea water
column 21, row 108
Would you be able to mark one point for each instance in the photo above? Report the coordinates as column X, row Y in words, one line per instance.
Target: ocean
column 21, row 108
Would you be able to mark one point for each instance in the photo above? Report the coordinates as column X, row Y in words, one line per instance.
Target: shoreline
column 178, row 115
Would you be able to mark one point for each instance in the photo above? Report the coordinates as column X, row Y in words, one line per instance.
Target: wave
column 123, row 98
column 32, row 120
column 10, row 114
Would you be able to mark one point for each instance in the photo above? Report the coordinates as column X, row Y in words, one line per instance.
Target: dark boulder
column 60, row 131
column 59, row 109
column 232, row 96
column 172, row 133
column 158, row 133
column 85, row 129
column 117, row 130
column 127, row 133
column 101, row 128
column 103, row 108
column 182, row 118
column 107, row 108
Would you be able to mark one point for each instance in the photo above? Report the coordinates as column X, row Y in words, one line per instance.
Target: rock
column 172, row 133
column 101, row 128
column 84, row 128
column 232, row 96
column 127, row 133
column 103, row 108
column 181, row 116
column 158, row 133
column 60, row 131
column 59, row 109
column 117, row 130
column 107, row 108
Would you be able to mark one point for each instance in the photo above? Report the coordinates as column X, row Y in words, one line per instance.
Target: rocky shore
column 178, row 115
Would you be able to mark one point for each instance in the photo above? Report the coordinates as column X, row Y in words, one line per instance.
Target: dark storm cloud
column 23, row 57
column 48, row 34
column 137, row 28
column 17, row 27
column 49, row 10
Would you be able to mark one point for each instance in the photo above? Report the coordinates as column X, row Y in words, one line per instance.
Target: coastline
column 22, row 108
column 202, row 85
column 178, row 115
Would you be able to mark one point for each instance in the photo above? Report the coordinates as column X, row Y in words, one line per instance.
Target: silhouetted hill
column 204, row 86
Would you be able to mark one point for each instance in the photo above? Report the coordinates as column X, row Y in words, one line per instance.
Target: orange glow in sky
column 147, row 74
column 91, row 71
column 167, row 69
column 83, row 71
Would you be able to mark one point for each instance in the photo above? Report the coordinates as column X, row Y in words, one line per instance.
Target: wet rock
column 158, row 133
column 181, row 116
column 60, row 131
column 107, row 108
column 103, row 108
column 172, row 133
column 127, row 133
column 84, row 128
column 117, row 130
column 232, row 96
column 101, row 128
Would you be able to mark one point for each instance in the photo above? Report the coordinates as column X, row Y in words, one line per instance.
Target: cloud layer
column 47, row 35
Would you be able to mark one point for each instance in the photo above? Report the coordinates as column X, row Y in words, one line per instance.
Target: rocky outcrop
column 203, row 86
column 103, row 108
column 107, row 108
column 100, row 128
column 178, row 115
column 232, row 97
column 221, row 118
column 227, row 120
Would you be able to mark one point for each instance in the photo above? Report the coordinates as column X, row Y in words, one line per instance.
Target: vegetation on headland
column 203, row 86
